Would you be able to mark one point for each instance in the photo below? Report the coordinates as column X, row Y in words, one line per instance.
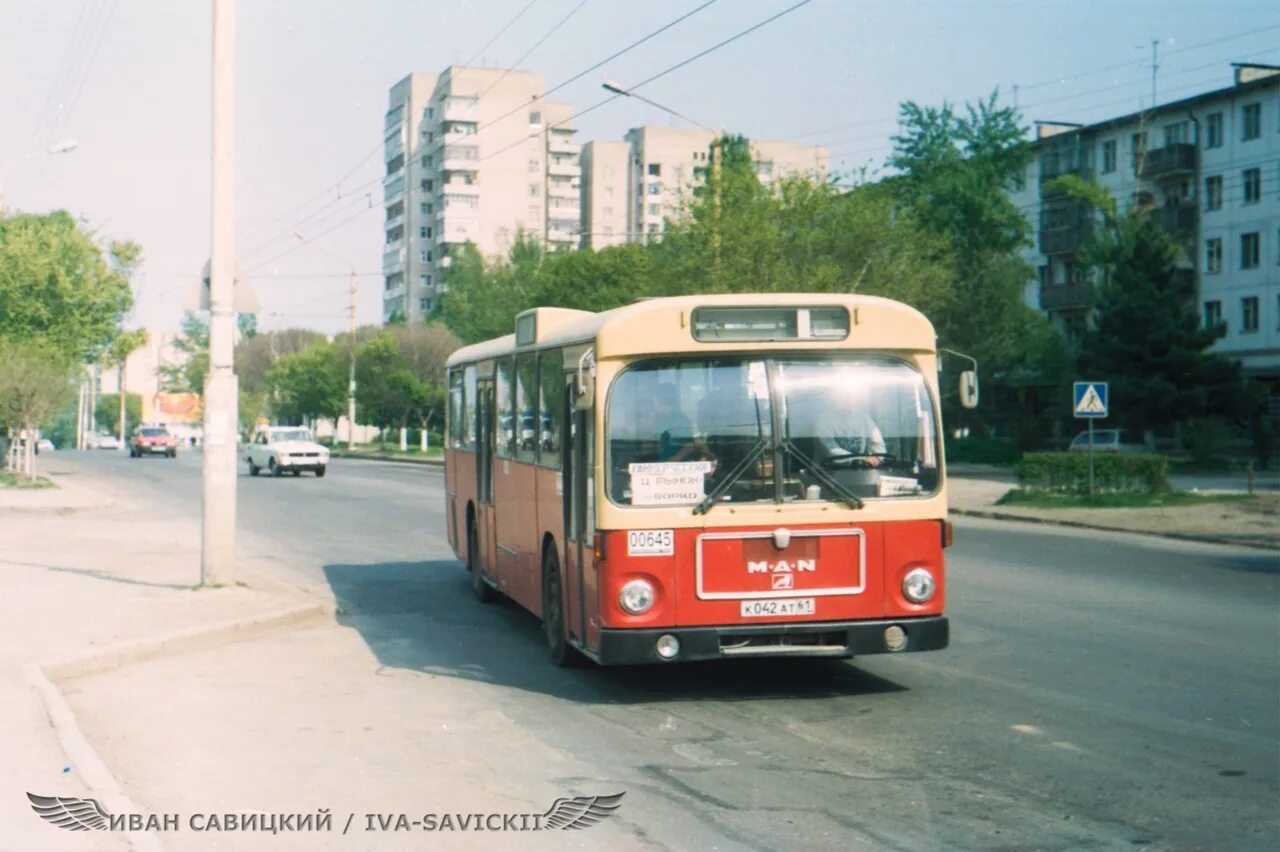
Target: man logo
column 69, row 813
column 783, row 581
column 580, row 811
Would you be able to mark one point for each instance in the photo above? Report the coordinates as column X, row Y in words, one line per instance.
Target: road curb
column 1204, row 539
column 58, row 510
column 44, row 677
column 134, row 651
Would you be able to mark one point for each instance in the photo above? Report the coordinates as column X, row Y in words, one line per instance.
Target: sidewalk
column 147, row 718
column 84, row 571
column 1254, row 524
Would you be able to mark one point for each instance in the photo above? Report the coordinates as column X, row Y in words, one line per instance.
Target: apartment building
column 1208, row 168
column 472, row 155
column 631, row 187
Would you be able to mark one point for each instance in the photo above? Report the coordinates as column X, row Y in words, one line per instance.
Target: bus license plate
column 790, row 606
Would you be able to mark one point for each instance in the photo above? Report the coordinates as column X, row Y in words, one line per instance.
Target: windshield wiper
column 731, row 477
column 853, row 500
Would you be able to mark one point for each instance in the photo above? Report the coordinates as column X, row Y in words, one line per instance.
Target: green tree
column 107, row 410
column 56, row 286
column 954, row 170
column 483, row 298
column 424, row 349
column 35, row 377
column 387, row 392
column 1146, row 337
column 188, row 372
column 254, row 357
column 309, row 385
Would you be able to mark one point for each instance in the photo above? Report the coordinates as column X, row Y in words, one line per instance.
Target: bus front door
column 485, row 514
column 580, row 582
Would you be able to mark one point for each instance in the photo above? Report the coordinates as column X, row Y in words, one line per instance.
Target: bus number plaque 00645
column 650, row 543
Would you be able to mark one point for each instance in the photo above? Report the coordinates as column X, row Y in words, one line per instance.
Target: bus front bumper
column 811, row 639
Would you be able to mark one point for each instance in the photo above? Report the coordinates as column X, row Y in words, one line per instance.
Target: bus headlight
column 918, row 586
column 636, row 597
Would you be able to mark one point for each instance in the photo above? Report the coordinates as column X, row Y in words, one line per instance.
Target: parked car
column 278, row 449
column 44, row 445
column 149, row 440
column 102, row 441
column 1108, row 441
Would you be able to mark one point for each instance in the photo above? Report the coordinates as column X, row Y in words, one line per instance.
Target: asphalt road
column 1101, row 690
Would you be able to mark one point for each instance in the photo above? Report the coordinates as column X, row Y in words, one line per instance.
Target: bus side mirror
column 584, row 383
column 969, row 389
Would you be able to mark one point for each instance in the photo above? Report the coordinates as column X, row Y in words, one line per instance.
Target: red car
column 153, row 439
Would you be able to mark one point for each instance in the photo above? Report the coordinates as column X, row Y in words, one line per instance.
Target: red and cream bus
column 706, row 477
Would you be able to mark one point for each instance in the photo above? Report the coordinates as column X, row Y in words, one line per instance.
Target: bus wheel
column 483, row 591
column 562, row 653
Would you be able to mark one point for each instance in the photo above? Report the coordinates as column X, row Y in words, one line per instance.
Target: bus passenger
column 670, row 425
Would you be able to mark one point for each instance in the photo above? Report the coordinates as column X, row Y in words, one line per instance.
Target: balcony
column 562, row 144
column 394, row 145
column 1178, row 220
column 393, row 187
column 1177, row 160
column 567, row 192
column 393, row 222
column 1064, row 297
column 562, row 234
column 454, row 163
column 1052, row 170
column 1065, row 239
column 392, row 261
column 460, row 109
column 566, row 168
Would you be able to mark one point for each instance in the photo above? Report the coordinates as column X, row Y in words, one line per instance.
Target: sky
column 129, row 82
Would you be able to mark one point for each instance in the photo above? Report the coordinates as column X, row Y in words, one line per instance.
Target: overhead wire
column 81, row 33
column 633, row 45
column 499, row 33
column 536, row 45
column 597, row 65
column 1024, row 87
column 309, row 240
column 654, row 77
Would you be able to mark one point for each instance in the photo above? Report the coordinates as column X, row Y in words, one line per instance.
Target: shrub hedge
column 981, row 450
column 1068, row 473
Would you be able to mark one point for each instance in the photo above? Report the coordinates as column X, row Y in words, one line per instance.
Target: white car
column 286, row 448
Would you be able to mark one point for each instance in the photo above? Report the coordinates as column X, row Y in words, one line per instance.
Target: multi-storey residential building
column 1208, row 168
column 473, row 155
column 630, row 188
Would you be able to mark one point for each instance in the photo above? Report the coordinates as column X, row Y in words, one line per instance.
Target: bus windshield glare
column 748, row 430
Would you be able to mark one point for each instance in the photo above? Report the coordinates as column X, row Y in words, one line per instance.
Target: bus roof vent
column 534, row 326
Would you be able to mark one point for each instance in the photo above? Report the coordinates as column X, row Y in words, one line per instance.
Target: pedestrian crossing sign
column 1090, row 399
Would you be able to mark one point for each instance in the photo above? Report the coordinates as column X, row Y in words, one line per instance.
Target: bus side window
column 504, row 393
column 550, row 407
column 457, row 412
column 468, row 426
column 526, row 401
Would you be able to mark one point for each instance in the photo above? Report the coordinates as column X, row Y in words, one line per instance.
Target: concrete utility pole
column 351, row 374
column 221, row 415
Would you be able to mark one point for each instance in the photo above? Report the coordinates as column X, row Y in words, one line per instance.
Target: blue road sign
column 1090, row 399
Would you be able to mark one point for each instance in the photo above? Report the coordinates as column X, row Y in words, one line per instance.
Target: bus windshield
column 750, row 429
